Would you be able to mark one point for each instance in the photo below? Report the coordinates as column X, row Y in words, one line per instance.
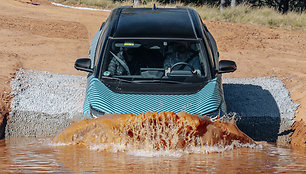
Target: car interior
column 153, row 59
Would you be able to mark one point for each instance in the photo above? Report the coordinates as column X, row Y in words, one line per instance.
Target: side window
column 213, row 43
column 212, row 50
column 209, row 51
column 100, row 44
column 93, row 47
column 98, row 49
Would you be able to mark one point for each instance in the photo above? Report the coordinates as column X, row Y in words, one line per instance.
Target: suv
column 154, row 59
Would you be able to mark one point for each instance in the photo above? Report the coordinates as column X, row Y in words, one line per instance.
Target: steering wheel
column 191, row 68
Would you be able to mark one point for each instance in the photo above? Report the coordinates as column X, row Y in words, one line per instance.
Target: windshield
column 143, row 59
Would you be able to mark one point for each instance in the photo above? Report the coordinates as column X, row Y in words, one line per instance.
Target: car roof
column 156, row 23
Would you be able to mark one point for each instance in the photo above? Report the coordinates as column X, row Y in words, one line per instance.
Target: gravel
column 45, row 103
column 263, row 107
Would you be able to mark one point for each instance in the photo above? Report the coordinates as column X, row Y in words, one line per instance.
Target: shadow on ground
column 257, row 112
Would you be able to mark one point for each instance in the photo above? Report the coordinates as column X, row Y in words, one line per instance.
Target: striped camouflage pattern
column 101, row 98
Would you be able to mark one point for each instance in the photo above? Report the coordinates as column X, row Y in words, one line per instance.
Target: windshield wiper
column 117, row 78
column 160, row 81
column 145, row 81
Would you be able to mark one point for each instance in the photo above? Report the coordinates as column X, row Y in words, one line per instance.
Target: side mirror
column 226, row 66
column 83, row 64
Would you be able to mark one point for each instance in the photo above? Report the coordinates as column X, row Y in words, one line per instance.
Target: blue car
column 154, row 60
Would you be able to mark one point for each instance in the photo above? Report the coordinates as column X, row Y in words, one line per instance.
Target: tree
column 222, row 5
column 136, row 2
column 233, row 3
column 282, row 6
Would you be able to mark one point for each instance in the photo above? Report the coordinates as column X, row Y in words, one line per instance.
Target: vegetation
column 242, row 13
column 282, row 6
column 261, row 16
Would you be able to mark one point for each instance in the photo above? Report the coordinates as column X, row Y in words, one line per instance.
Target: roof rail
column 181, row 7
column 126, row 6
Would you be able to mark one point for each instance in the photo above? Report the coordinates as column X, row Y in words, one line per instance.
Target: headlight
column 95, row 113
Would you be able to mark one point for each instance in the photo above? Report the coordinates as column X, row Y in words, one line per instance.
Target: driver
column 181, row 53
column 115, row 67
column 119, row 65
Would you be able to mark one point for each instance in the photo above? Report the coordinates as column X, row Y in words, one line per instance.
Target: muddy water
column 148, row 143
column 31, row 155
column 152, row 132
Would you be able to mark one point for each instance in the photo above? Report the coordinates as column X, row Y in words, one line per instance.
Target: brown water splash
column 156, row 131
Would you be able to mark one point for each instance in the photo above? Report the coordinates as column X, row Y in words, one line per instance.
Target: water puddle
column 34, row 155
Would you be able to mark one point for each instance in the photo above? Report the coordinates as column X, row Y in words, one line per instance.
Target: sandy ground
column 37, row 35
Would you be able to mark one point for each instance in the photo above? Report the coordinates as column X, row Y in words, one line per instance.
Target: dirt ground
column 37, row 35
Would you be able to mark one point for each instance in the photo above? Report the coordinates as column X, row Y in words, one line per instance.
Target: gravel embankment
column 45, row 103
column 263, row 106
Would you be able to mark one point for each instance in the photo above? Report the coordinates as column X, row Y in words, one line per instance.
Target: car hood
column 100, row 98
